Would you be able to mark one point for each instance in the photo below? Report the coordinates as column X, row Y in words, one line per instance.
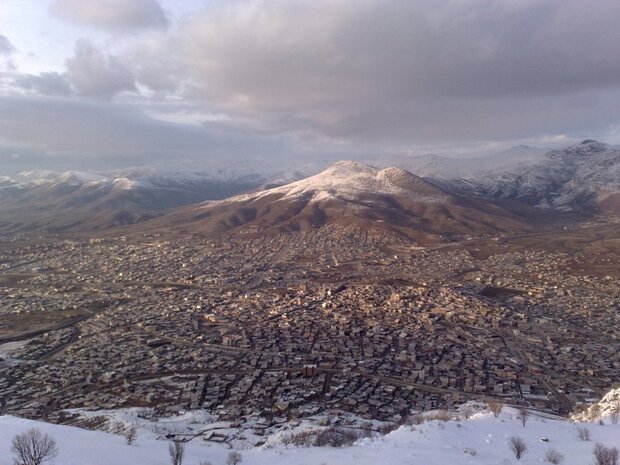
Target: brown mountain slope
column 351, row 196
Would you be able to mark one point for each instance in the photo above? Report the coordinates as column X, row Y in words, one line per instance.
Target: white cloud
column 113, row 15
column 95, row 74
column 6, row 47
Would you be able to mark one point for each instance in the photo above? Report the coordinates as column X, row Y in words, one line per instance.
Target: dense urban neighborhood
column 290, row 326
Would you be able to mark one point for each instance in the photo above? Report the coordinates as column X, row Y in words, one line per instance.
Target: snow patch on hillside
column 605, row 409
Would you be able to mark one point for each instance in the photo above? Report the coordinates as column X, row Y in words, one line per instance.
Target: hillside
column 579, row 178
column 57, row 202
column 352, row 196
column 481, row 440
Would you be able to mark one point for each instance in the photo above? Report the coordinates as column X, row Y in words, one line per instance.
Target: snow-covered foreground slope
column 481, row 440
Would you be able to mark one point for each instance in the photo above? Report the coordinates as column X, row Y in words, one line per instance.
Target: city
column 376, row 330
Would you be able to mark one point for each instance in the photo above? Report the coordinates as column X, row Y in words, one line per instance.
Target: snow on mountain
column 576, row 178
column 581, row 178
column 33, row 175
column 37, row 178
column 351, row 180
column 153, row 178
column 481, row 440
column 79, row 177
column 6, row 182
column 44, row 200
column 442, row 167
column 350, row 198
column 128, row 184
column 286, row 177
column 33, row 178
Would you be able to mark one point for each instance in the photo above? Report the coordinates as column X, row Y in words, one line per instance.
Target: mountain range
column 71, row 201
column 507, row 192
column 580, row 178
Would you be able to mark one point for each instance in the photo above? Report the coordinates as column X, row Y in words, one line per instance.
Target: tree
column 130, row 434
column 33, row 448
column 615, row 413
column 524, row 415
column 495, row 408
column 177, row 452
column 605, row 455
column 117, row 427
column 583, row 433
column 554, row 457
column 517, row 446
column 234, row 458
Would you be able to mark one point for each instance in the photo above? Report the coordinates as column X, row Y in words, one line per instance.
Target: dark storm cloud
column 338, row 65
column 318, row 77
column 48, row 83
column 114, row 15
column 64, row 128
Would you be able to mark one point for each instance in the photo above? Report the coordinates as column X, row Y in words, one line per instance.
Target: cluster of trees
column 176, row 449
column 602, row 455
column 36, row 448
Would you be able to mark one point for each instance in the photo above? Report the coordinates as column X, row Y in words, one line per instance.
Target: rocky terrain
column 580, row 178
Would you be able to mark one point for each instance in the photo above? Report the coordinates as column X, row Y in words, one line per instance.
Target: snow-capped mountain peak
column 351, row 180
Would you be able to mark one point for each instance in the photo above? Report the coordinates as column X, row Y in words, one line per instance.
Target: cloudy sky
column 115, row 83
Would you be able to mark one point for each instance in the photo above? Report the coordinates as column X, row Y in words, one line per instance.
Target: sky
column 106, row 84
